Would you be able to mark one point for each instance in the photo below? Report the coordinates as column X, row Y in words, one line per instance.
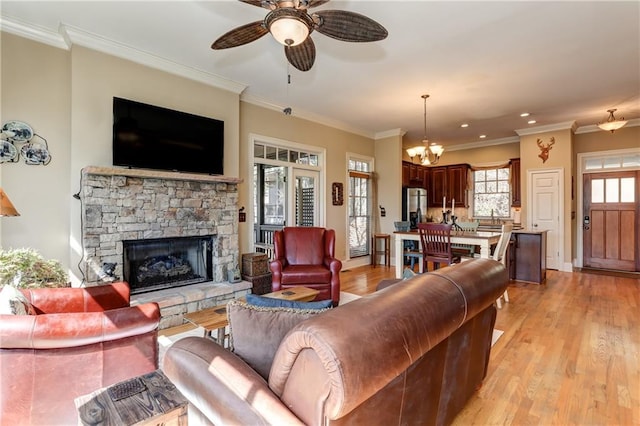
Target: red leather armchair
column 305, row 256
column 79, row 340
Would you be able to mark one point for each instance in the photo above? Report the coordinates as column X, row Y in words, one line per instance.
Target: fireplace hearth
column 159, row 263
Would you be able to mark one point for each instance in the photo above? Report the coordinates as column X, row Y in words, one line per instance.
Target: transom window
column 491, row 193
column 613, row 190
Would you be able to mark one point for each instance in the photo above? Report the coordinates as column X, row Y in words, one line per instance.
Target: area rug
column 496, row 335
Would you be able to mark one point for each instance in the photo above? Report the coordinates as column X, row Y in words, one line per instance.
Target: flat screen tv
column 152, row 137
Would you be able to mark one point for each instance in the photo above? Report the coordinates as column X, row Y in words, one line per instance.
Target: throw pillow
column 256, row 331
column 270, row 302
column 13, row 302
column 407, row 273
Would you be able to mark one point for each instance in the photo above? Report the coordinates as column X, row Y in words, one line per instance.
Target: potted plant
column 26, row 268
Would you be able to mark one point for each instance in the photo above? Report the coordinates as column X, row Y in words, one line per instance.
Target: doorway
column 610, row 218
column 547, row 211
column 287, row 183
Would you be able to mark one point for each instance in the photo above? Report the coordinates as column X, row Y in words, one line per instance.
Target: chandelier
column 428, row 154
column 611, row 125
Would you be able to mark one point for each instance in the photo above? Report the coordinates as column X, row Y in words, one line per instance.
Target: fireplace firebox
column 159, row 263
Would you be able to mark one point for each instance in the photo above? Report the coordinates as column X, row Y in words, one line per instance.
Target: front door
column 610, row 239
column 545, row 212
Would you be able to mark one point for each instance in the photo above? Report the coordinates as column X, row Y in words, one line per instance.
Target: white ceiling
column 483, row 63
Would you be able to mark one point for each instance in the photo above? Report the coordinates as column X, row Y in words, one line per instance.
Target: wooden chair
column 499, row 254
column 466, row 250
column 435, row 240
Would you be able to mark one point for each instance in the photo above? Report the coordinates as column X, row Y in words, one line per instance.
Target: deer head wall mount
column 544, row 149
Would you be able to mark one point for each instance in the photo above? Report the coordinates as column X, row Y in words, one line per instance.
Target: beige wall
column 625, row 138
column 67, row 97
column 269, row 123
column 560, row 157
column 36, row 89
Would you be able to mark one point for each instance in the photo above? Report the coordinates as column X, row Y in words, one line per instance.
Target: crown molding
column 592, row 128
column 483, row 144
column 567, row 125
column 68, row 35
column 390, row 133
column 306, row 115
column 33, row 32
column 93, row 41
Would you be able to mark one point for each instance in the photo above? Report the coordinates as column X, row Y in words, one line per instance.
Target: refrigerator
column 414, row 205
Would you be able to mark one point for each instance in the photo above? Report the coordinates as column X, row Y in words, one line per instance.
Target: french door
column 305, row 198
column 287, row 183
column 610, row 220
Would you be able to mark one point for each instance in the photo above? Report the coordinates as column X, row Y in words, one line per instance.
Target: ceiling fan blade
column 303, row 55
column 315, row 3
column 241, row 35
column 349, row 26
column 258, row 3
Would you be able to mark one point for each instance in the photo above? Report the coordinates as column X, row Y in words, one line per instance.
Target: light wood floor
column 569, row 355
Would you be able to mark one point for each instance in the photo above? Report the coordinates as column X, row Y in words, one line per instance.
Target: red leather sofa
column 78, row 341
column 305, row 256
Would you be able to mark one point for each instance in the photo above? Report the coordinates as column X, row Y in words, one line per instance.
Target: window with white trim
column 491, row 193
column 359, row 207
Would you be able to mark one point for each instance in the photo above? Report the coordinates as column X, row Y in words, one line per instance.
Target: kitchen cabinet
column 457, row 183
column 515, row 182
column 530, row 255
column 414, row 175
column 450, row 182
column 405, row 174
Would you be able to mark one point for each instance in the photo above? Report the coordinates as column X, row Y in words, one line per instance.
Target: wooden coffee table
column 215, row 318
column 150, row 399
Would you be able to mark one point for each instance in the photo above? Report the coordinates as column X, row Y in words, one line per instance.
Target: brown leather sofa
column 411, row 354
column 305, row 256
column 79, row 340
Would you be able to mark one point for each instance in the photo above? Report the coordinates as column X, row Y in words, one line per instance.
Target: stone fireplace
column 187, row 224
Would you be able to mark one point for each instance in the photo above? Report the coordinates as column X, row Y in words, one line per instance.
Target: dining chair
column 466, row 250
column 499, row 254
column 435, row 240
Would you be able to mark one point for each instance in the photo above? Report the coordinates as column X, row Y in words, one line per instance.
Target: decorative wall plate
column 8, row 152
column 18, row 131
column 35, row 153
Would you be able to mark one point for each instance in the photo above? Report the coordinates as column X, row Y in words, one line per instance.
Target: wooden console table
column 150, row 399
column 215, row 318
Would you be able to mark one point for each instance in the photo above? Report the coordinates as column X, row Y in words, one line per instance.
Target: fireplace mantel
column 158, row 174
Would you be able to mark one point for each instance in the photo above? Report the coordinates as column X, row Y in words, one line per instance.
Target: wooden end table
column 150, row 399
column 215, row 318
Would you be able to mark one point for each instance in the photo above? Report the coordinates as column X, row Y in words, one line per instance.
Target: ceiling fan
column 291, row 25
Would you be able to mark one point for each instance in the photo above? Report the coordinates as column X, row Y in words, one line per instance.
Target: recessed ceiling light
column 524, row 114
column 464, row 125
column 531, row 121
column 483, row 136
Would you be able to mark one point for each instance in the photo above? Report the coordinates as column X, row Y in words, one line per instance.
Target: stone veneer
column 128, row 204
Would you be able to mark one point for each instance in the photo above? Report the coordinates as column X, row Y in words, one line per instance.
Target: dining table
column 482, row 239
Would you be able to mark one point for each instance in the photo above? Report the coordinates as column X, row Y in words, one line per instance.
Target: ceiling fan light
column 289, row 31
column 611, row 125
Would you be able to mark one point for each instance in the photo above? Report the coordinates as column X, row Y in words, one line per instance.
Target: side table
column 150, row 399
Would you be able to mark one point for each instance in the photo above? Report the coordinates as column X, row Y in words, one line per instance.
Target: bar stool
column 386, row 240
